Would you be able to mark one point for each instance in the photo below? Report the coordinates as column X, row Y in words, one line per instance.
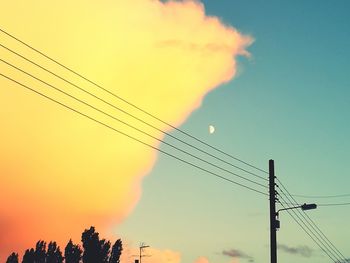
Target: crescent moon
column 211, row 129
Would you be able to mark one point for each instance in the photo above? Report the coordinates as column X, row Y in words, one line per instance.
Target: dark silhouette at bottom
column 93, row 250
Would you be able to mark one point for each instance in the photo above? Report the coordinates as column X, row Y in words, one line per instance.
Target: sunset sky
column 271, row 78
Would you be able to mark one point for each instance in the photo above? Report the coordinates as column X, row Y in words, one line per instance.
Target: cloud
column 235, row 253
column 303, row 251
column 202, row 260
column 151, row 254
column 62, row 173
column 163, row 256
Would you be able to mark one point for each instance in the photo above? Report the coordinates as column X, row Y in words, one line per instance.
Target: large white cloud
column 60, row 172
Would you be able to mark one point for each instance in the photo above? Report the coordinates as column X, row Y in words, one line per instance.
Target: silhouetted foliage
column 40, row 252
column 105, row 247
column 72, row 253
column 29, row 256
column 94, row 251
column 116, row 252
column 13, row 258
column 54, row 254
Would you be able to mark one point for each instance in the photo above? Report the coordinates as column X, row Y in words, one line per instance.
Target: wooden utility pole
column 273, row 222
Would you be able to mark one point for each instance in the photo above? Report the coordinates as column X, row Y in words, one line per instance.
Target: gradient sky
column 290, row 103
column 63, row 172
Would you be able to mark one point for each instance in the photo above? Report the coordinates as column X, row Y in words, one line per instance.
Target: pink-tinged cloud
column 151, row 255
column 61, row 173
column 202, row 260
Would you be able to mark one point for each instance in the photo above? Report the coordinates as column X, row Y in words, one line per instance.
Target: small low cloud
column 303, row 251
column 154, row 255
column 235, row 253
column 202, row 260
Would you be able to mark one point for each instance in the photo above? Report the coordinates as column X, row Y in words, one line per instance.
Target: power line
column 123, row 111
column 312, row 224
column 313, row 231
column 337, row 204
column 131, row 137
column 129, row 103
column 44, row 82
column 317, row 243
column 321, row 196
column 144, row 111
column 308, row 220
column 131, row 126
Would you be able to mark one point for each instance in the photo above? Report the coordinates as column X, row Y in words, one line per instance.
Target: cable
column 321, row 196
column 312, row 224
column 131, row 137
column 129, row 103
column 125, row 112
column 289, row 212
column 193, row 137
column 317, row 243
column 306, row 223
column 131, row 126
column 333, row 204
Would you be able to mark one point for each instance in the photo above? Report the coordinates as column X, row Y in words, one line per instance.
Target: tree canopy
column 93, row 250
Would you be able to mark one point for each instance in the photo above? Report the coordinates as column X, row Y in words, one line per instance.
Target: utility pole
column 273, row 221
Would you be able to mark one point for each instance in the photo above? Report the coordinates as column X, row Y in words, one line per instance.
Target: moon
column 211, row 129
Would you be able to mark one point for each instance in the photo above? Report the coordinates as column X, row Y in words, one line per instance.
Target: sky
column 271, row 78
column 290, row 103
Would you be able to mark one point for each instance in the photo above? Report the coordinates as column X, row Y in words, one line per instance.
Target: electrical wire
column 333, row 204
column 131, row 137
column 125, row 112
column 320, row 196
column 131, row 126
column 308, row 220
column 312, row 230
column 313, row 225
column 322, row 248
column 131, row 104
column 153, row 116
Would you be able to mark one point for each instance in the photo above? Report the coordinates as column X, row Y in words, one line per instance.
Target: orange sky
column 62, row 173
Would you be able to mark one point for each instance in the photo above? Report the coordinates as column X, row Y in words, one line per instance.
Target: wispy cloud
column 235, row 253
column 303, row 251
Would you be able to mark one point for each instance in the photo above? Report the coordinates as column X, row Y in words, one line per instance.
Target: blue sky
column 290, row 102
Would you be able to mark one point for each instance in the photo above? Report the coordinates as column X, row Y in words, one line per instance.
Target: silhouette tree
column 72, row 253
column 13, row 258
column 116, row 252
column 29, row 256
column 90, row 241
column 95, row 250
column 40, row 252
column 54, row 254
column 105, row 247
